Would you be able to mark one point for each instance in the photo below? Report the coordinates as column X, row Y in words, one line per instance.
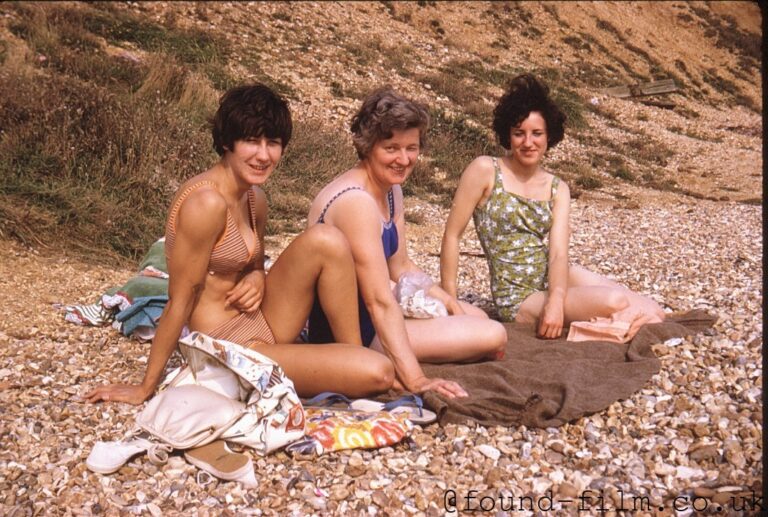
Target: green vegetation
column 579, row 176
column 568, row 100
column 314, row 156
column 91, row 168
column 729, row 36
column 622, row 172
column 460, row 91
column 453, row 143
column 643, row 149
column 95, row 164
column 589, row 182
column 103, row 113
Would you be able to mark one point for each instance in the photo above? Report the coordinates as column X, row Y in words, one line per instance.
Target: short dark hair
column 252, row 110
column 384, row 111
column 525, row 94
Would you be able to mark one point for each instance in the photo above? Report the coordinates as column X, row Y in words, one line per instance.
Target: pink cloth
column 599, row 329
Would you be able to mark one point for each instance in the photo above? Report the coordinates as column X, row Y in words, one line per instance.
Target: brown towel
column 546, row 383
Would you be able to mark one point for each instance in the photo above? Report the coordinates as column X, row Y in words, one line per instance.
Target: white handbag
column 225, row 391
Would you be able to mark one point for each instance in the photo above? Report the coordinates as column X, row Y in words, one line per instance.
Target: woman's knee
column 616, row 301
column 525, row 316
column 379, row 373
column 495, row 337
column 655, row 309
column 328, row 241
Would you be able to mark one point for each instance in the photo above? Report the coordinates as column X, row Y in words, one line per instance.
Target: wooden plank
column 639, row 90
column 659, row 104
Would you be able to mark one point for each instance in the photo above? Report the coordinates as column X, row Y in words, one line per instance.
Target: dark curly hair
column 248, row 111
column 384, row 111
column 524, row 95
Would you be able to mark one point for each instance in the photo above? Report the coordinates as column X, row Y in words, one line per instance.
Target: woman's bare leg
column 351, row 370
column 471, row 310
column 581, row 304
column 453, row 339
column 319, row 260
column 579, row 276
column 590, row 295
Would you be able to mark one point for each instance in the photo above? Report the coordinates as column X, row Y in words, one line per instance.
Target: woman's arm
column 401, row 263
column 358, row 218
column 474, row 187
column 552, row 316
column 200, row 220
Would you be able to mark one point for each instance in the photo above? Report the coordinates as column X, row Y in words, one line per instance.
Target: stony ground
column 694, row 429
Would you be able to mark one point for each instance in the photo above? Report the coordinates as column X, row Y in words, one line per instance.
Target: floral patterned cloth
column 331, row 429
column 513, row 231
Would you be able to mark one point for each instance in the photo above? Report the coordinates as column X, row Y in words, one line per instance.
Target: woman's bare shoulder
column 479, row 173
column 204, row 201
column 551, row 177
column 343, row 183
column 557, row 184
column 482, row 164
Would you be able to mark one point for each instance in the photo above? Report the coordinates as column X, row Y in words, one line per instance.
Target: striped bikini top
column 230, row 253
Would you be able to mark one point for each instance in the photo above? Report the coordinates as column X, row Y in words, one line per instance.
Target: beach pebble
column 489, row 451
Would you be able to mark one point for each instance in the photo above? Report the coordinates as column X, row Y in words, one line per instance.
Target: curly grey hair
column 384, row 111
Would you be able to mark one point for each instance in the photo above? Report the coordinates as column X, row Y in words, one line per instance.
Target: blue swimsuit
column 319, row 328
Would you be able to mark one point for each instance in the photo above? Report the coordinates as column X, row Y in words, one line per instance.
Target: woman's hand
column 551, row 320
column 452, row 305
column 446, row 388
column 636, row 317
column 130, row 393
column 247, row 294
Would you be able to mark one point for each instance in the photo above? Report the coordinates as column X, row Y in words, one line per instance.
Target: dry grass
column 94, row 169
column 95, row 166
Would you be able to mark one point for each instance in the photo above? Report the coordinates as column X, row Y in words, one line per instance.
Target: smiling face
column 253, row 159
column 391, row 160
column 528, row 140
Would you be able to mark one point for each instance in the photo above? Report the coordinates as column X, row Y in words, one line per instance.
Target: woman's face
column 253, row 159
column 391, row 160
column 528, row 140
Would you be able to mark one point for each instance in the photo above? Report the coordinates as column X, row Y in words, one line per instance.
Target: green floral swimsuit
column 514, row 231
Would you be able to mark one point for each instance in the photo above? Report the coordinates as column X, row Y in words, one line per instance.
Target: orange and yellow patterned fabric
column 332, row 429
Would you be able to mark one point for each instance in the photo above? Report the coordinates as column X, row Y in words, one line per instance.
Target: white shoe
column 108, row 457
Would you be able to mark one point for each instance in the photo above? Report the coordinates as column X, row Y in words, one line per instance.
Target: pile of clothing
column 134, row 307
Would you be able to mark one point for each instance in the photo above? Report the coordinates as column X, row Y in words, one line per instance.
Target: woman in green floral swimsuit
column 521, row 216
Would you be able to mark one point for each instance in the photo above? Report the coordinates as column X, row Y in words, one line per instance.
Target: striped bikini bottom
column 245, row 329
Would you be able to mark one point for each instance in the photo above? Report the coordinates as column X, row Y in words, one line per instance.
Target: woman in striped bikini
column 215, row 251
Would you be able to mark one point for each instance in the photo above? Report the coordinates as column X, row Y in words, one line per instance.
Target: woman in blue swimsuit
column 366, row 204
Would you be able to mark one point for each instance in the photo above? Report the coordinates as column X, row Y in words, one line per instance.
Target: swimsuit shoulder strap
column 321, row 219
column 497, row 181
column 177, row 205
column 555, row 184
column 252, row 207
